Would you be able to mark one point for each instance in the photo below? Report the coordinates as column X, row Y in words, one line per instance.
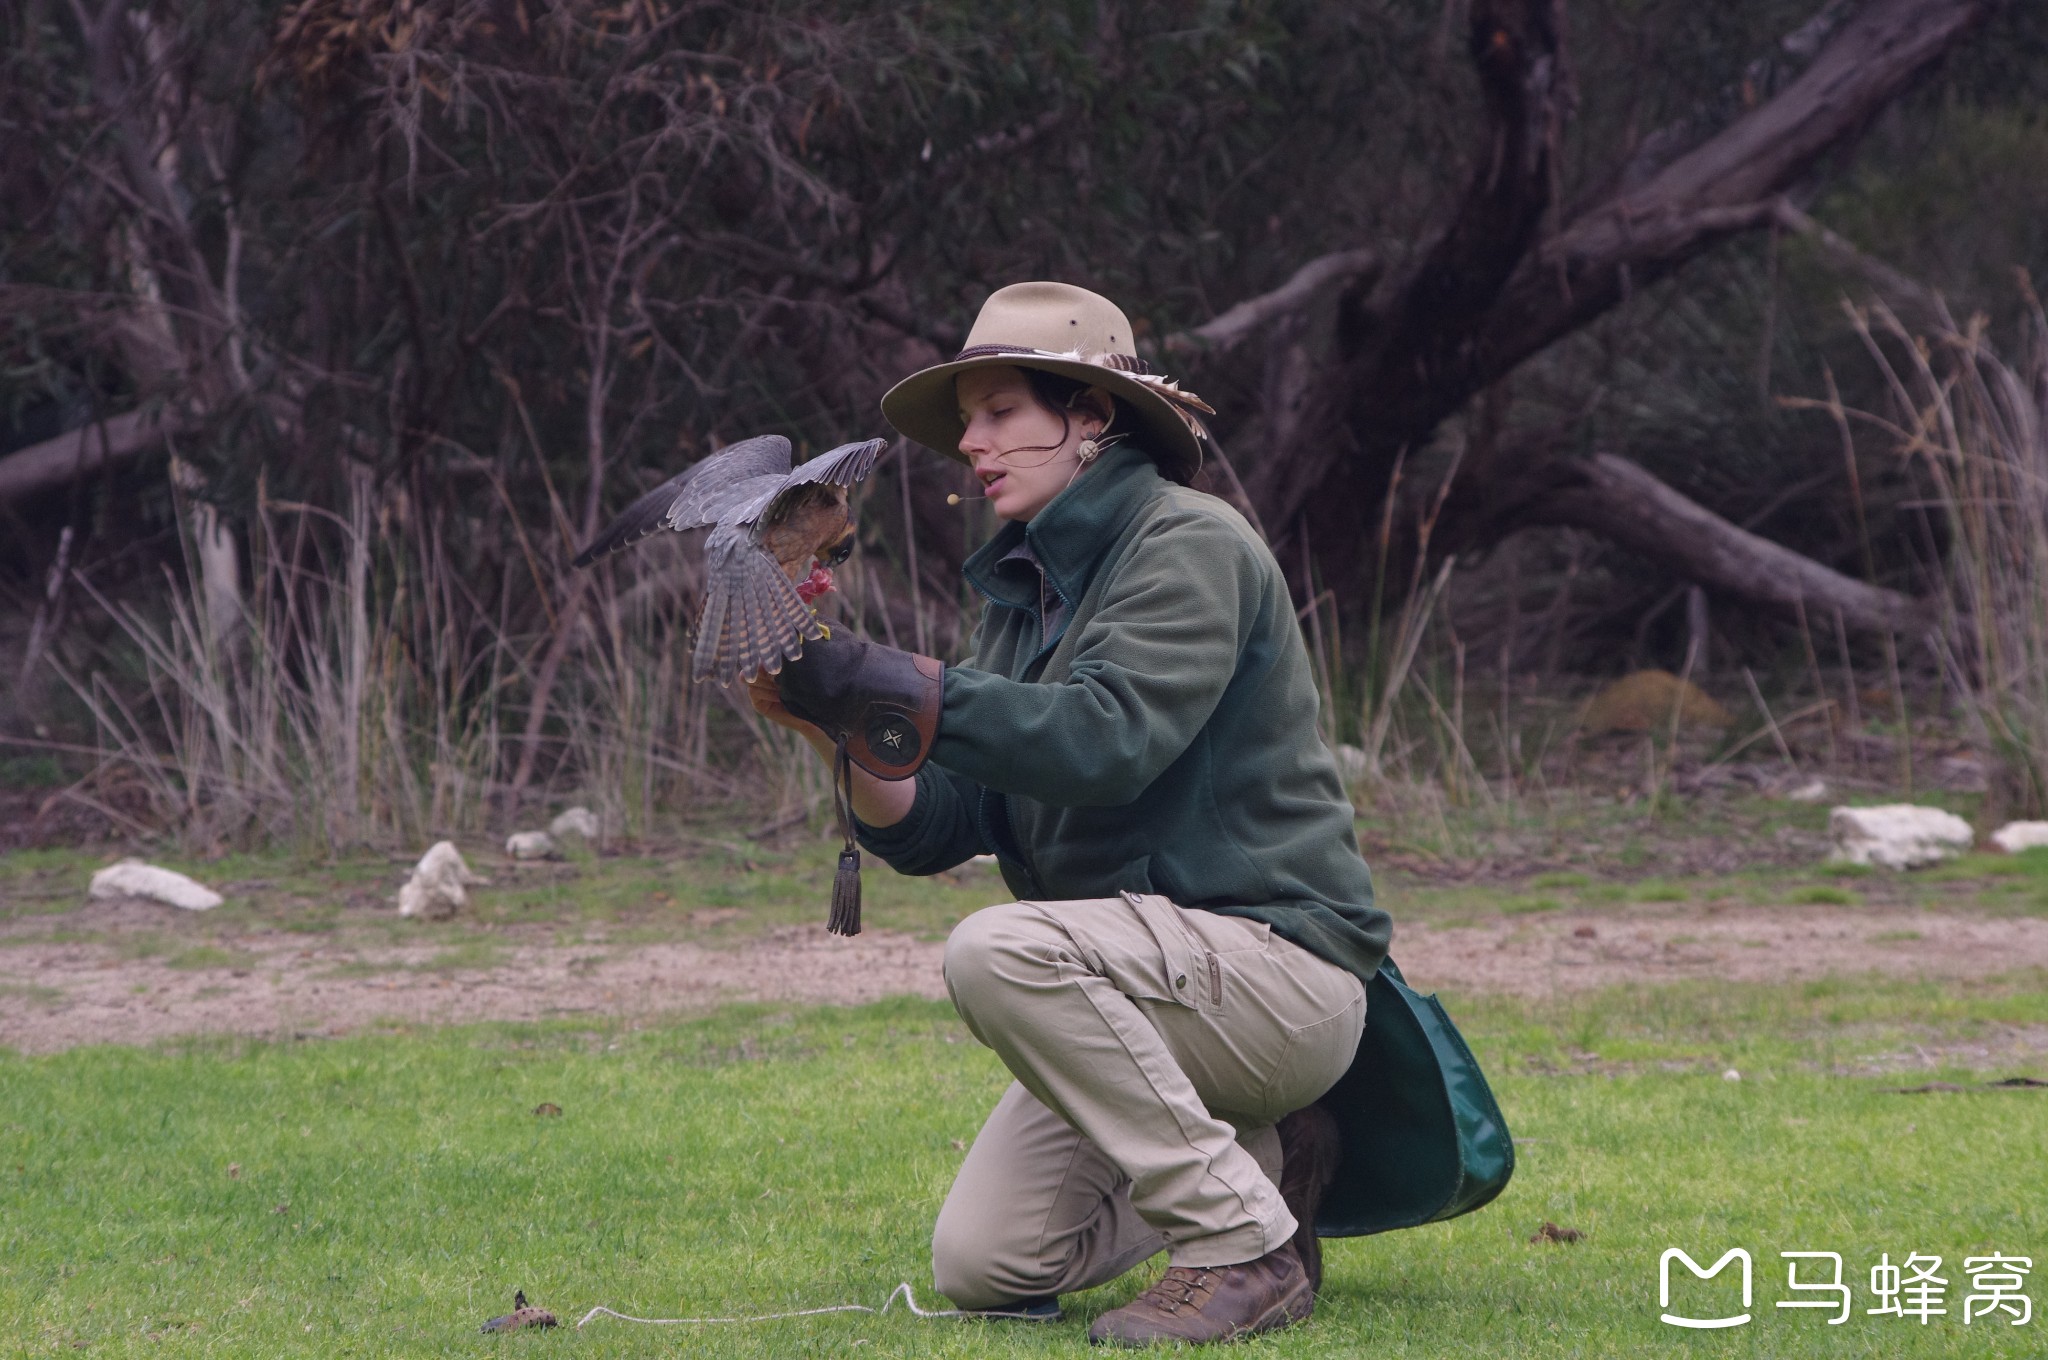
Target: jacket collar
column 1071, row 534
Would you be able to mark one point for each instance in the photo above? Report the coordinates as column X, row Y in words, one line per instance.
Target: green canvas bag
column 1422, row 1135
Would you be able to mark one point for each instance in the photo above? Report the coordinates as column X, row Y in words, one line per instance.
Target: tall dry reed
column 370, row 694
column 1973, row 422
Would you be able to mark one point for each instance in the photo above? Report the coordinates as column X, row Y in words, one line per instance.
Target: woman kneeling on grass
column 1134, row 738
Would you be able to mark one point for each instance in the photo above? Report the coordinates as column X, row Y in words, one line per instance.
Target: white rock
column 1731, row 1075
column 1812, row 791
column 1352, row 765
column 2014, row 837
column 1896, row 835
column 133, row 878
column 529, row 845
column 436, row 889
column 576, row 821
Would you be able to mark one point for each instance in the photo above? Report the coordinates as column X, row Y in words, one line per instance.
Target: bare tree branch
column 1311, row 282
column 1488, row 295
column 1713, row 190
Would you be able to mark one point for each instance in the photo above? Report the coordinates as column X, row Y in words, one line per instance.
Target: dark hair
column 1057, row 393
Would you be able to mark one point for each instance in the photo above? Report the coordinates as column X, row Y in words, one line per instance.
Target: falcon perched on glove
column 776, row 533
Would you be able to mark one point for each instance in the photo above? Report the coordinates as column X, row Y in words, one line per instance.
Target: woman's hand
column 878, row 802
column 766, row 697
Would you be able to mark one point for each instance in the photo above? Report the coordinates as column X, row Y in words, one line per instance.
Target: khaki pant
column 1154, row 1047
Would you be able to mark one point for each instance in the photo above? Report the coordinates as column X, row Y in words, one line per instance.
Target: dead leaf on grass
column 1550, row 1232
column 523, row 1314
column 547, row 1108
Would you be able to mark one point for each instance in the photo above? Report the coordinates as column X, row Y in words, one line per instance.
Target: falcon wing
column 709, row 499
column 753, row 619
column 697, row 496
column 843, row 466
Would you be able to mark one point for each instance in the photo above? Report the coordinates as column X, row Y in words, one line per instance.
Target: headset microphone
column 956, row 498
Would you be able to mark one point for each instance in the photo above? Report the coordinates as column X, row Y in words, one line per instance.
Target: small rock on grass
column 574, row 822
column 436, row 890
column 1896, row 835
column 133, row 878
column 2014, row 837
column 530, row 845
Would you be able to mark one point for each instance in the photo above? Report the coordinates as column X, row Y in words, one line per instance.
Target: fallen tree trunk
column 55, row 462
column 1616, row 500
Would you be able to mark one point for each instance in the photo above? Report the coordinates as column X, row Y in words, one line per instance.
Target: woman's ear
column 1096, row 402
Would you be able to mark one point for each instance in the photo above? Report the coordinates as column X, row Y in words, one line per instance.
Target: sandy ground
column 58, row 995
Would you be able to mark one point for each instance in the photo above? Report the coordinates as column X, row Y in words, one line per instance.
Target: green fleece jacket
column 1161, row 739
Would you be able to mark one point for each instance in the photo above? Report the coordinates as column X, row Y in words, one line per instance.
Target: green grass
column 384, row 1194
column 1823, row 895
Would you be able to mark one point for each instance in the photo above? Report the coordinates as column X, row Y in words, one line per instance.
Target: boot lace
column 1180, row 1287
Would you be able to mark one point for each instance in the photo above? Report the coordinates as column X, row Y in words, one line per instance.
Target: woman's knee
column 966, row 1262
column 994, row 950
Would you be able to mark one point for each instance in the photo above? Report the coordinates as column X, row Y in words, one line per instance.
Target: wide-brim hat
column 1061, row 329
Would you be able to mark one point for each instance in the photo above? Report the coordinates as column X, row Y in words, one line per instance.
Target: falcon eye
column 841, row 552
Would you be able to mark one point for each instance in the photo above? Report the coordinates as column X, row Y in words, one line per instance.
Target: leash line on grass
column 902, row 1291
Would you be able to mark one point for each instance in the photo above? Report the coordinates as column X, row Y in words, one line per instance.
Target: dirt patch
column 57, row 993
column 1569, row 951
column 56, row 996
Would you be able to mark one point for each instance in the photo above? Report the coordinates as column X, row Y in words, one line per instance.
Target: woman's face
column 1015, row 442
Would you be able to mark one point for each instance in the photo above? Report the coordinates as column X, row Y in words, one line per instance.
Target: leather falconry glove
column 880, row 706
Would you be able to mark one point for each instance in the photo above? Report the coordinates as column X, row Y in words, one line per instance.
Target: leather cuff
column 884, row 702
column 892, row 735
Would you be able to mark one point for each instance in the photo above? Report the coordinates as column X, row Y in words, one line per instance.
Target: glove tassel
column 846, row 895
column 845, row 918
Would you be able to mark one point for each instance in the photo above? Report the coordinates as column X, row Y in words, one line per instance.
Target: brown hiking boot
column 1309, row 1152
column 1195, row 1304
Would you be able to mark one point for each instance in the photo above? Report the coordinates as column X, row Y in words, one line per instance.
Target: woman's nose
column 974, row 438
